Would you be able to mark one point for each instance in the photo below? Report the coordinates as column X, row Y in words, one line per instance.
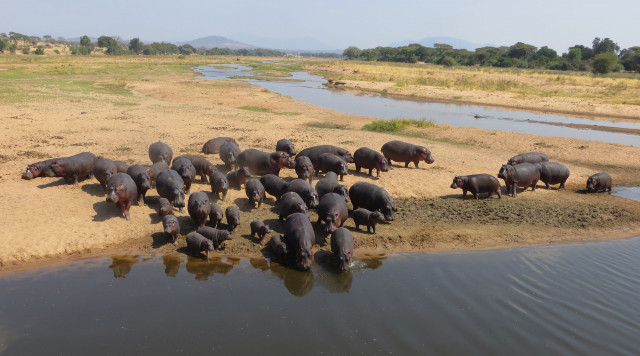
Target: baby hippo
column 477, row 183
column 103, row 170
column 215, row 216
column 197, row 243
column 362, row 216
column 255, row 192
column 238, row 177
column 216, row 236
column 367, row 158
column 219, row 184
column 278, row 246
column 304, row 168
column 258, row 227
column 121, row 190
column 164, row 207
column 233, row 218
column 171, row 226
column 599, row 182
column 285, row 145
column 329, row 162
column 342, row 247
column 199, row 208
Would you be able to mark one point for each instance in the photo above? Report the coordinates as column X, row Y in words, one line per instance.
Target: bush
column 604, row 63
column 397, row 124
column 39, row 51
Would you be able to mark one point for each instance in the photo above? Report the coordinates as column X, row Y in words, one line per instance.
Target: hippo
column 164, row 207
column 274, row 185
column 304, row 168
column 199, row 208
column 197, row 243
column 171, row 186
column 342, row 248
column 362, row 216
column 215, row 216
column 285, row 145
column 372, row 197
column 259, row 228
column 121, row 167
column 121, row 191
column 77, row 166
column 306, row 191
column 160, row 152
column 328, row 162
column 186, row 170
column 229, row 153
column 40, row 169
column 520, row 175
column 300, row 237
column 219, row 184
column 599, row 182
column 290, row 203
column 233, row 218
column 278, row 246
column 171, row 226
column 260, row 162
column 366, row 158
column 477, row 183
column 156, row 168
column 333, row 211
column 203, row 167
column 140, row 175
column 400, row 151
column 528, row 157
column 329, row 184
column 103, row 170
column 218, row 237
column 553, row 173
column 314, row 152
column 213, row 146
column 255, row 192
column 238, row 177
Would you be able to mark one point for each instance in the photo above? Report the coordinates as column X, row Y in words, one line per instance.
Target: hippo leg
column 388, row 160
column 373, row 227
column 416, row 163
column 357, row 168
column 533, row 186
column 342, row 177
column 475, row 195
column 377, row 173
column 204, row 178
column 370, row 170
column 358, row 227
column 464, row 193
column 369, row 229
column 125, row 211
column 406, row 164
column 75, row 180
column 561, row 187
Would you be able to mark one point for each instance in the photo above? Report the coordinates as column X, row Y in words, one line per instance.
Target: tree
column 110, row 44
column 521, row 51
column 604, row 63
column 352, row 52
column 630, row 58
column 4, row 44
column 604, row 46
column 136, row 46
column 39, row 51
column 186, row 49
column 85, row 41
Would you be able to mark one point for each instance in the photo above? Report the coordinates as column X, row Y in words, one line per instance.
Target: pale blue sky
column 337, row 23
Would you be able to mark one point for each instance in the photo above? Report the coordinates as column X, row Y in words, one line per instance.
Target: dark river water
column 309, row 88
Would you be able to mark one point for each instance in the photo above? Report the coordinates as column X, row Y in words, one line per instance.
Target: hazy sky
column 337, row 23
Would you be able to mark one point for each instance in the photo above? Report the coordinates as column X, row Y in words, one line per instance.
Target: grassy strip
column 395, row 125
column 327, row 125
column 265, row 110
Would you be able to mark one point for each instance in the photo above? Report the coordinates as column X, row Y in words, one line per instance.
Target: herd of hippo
column 124, row 184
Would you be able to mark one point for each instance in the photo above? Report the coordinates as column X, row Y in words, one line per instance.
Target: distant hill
column 287, row 44
column 216, row 42
column 456, row 43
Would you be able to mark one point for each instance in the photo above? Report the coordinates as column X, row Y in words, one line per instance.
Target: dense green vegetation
column 603, row 56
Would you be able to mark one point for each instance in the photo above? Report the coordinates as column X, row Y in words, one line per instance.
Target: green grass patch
column 395, row 125
column 265, row 110
column 328, row 125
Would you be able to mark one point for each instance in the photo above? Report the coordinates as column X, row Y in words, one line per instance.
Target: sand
column 46, row 220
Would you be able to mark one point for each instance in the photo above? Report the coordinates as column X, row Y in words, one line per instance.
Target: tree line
column 602, row 57
column 115, row 46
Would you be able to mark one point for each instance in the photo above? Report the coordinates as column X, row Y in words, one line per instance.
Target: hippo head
column 302, row 208
column 423, row 154
column 342, row 191
column 208, row 169
column 344, row 260
column 281, row 159
column 383, row 163
column 348, row 157
column 226, row 235
column 167, row 157
column 254, row 196
column 304, row 257
column 376, row 217
column 145, row 181
column 265, row 229
column 332, row 222
column 343, row 168
column 281, row 248
column 32, row 171
column 592, row 183
column 457, row 182
column 506, row 172
column 311, row 199
column 387, row 210
column 291, row 163
column 115, row 191
column 243, row 172
column 170, row 226
column 206, row 245
column 215, row 214
column 178, row 197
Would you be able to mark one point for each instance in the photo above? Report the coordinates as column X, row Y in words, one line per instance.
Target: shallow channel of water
column 574, row 299
column 309, row 88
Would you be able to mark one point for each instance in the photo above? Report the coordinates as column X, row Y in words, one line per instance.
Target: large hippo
column 219, row 184
column 40, row 169
column 140, row 175
column 186, row 170
column 328, row 162
column 520, row 175
column 400, row 151
column 160, row 152
column 197, row 243
column 599, row 182
column 285, row 145
column 342, row 247
column 103, row 170
column 366, row 158
column 274, row 185
column 215, row 235
column 528, row 157
column 306, row 191
column 213, row 146
column 238, row 177
column 229, row 152
column 171, row 226
column 372, row 197
column 333, row 211
column 477, row 183
column 290, row 203
column 255, row 192
column 553, row 173
column 362, row 216
column 304, row 168
column 203, row 167
column 171, row 186
column 199, row 208
column 74, row 167
column 314, row 153
column 329, row 184
column 300, row 237
column 260, row 162
column 121, row 191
